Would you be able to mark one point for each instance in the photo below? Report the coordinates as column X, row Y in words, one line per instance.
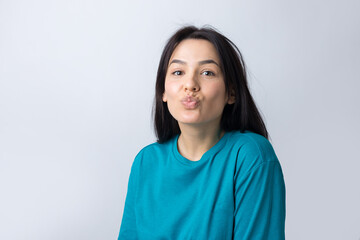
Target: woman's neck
column 193, row 142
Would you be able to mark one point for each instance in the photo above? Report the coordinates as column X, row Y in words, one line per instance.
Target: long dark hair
column 242, row 115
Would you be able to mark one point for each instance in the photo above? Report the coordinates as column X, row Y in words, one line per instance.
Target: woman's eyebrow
column 207, row 61
column 177, row 61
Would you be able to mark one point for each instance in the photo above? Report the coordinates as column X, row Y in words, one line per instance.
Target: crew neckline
column 204, row 157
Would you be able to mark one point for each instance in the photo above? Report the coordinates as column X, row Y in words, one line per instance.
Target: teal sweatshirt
column 235, row 191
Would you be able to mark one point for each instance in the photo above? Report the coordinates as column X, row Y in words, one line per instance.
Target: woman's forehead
column 194, row 50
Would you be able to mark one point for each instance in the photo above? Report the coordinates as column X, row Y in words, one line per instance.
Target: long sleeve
column 128, row 228
column 260, row 203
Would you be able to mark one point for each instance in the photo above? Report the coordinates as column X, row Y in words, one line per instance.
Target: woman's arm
column 260, row 203
column 128, row 224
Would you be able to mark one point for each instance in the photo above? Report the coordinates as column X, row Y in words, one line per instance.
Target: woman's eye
column 208, row 73
column 177, row 73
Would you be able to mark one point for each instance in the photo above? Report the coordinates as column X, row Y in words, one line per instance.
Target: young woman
column 212, row 174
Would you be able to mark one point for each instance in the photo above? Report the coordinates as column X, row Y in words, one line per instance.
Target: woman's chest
column 180, row 201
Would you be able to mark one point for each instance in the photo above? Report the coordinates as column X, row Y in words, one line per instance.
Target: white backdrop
column 76, row 89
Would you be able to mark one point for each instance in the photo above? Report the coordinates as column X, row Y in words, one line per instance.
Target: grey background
column 76, row 89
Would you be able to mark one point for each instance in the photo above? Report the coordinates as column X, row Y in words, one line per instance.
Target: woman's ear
column 164, row 97
column 231, row 99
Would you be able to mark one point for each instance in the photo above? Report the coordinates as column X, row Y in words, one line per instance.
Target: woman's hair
column 241, row 115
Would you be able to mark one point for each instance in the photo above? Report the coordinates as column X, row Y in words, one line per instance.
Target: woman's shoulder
column 156, row 147
column 252, row 149
column 252, row 142
column 154, row 151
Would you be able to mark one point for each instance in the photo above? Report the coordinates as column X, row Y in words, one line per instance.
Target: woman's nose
column 191, row 83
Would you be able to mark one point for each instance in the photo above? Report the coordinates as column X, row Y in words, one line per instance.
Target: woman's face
column 194, row 84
